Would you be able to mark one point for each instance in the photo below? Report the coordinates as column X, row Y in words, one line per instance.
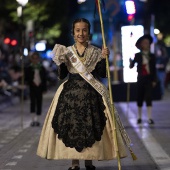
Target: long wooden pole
column 115, row 73
column 110, row 87
column 22, row 68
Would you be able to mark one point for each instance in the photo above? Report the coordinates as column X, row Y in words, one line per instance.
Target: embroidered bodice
column 93, row 56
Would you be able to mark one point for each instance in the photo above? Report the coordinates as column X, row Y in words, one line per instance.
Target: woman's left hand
column 105, row 52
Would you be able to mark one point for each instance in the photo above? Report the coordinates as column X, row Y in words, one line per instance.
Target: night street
column 18, row 146
column 89, row 47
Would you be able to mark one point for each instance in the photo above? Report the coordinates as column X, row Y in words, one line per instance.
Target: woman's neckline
column 82, row 54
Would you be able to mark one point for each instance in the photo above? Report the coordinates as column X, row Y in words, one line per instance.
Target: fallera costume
column 79, row 124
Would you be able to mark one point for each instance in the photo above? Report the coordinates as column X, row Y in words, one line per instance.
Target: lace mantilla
column 93, row 55
column 79, row 119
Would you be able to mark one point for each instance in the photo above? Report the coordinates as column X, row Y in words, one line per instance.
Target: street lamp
column 80, row 1
column 22, row 3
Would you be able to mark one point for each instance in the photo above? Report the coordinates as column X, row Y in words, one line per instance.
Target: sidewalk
column 154, row 137
column 6, row 101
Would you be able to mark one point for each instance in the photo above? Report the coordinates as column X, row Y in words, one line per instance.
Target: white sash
column 81, row 69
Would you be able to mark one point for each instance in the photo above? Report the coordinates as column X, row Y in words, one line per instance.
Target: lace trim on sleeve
column 94, row 55
column 59, row 54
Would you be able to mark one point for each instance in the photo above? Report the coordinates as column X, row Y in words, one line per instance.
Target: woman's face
column 81, row 33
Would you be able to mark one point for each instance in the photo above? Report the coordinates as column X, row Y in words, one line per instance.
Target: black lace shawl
column 79, row 119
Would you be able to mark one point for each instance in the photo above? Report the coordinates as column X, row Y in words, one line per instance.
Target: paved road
column 151, row 143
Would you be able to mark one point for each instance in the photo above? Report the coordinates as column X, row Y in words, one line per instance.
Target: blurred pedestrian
column 15, row 80
column 35, row 77
column 79, row 124
column 161, row 63
column 3, row 83
column 11, row 80
column 146, row 80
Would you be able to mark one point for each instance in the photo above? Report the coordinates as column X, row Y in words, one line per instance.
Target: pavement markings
column 17, row 157
column 14, row 133
column 27, row 146
column 23, row 150
column 160, row 157
column 31, row 141
column 4, row 141
column 11, row 164
column 9, row 137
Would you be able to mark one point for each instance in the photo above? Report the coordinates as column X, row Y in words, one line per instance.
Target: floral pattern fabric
column 79, row 119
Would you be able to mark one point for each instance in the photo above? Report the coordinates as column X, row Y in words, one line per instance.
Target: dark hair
column 35, row 54
column 80, row 20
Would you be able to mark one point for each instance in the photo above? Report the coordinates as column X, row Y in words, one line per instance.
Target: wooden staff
column 22, row 67
column 110, row 88
column 128, row 98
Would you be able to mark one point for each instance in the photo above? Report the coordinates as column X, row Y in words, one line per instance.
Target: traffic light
column 130, row 10
column 130, row 17
column 7, row 40
column 12, row 42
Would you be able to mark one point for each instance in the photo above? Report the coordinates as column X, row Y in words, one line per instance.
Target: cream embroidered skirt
column 50, row 147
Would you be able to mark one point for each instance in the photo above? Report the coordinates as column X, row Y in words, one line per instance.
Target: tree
column 49, row 17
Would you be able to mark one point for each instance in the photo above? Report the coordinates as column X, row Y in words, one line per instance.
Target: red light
column 130, row 17
column 30, row 34
column 7, row 40
column 14, row 42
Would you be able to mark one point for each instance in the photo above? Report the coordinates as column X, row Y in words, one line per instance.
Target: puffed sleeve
column 59, row 54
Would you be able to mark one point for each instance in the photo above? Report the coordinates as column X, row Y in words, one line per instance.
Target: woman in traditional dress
column 79, row 124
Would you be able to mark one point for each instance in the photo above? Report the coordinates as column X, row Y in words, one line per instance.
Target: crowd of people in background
column 11, row 74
